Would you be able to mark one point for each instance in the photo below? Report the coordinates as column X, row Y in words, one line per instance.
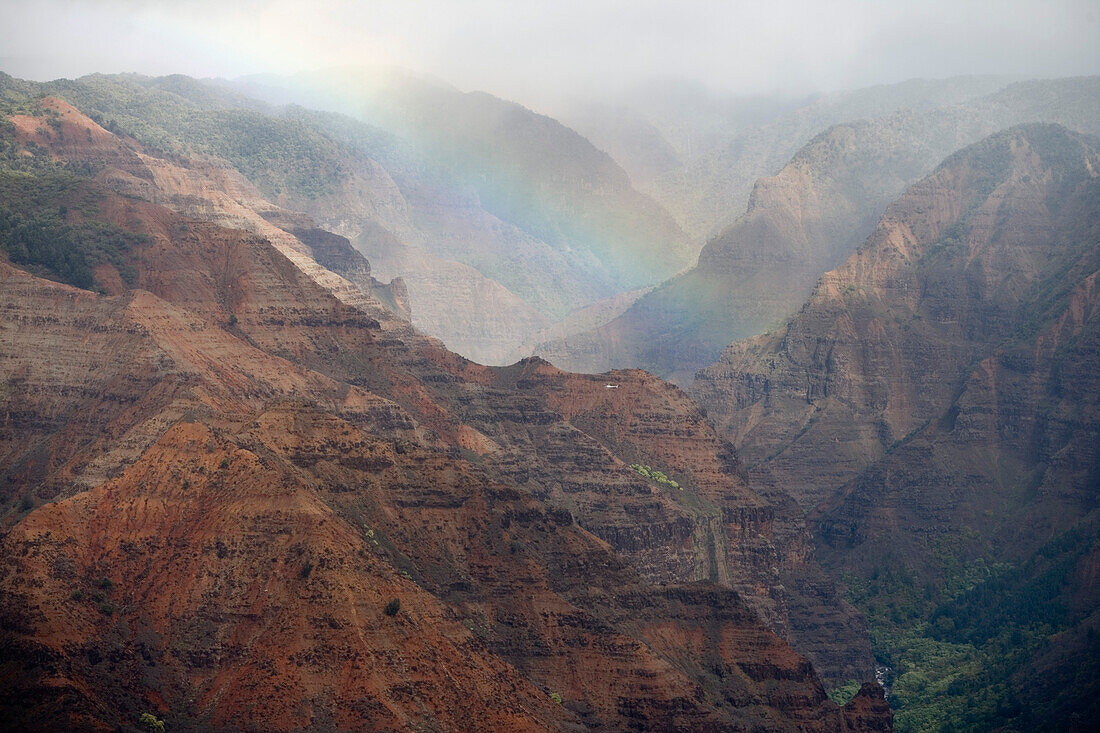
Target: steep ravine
column 933, row 408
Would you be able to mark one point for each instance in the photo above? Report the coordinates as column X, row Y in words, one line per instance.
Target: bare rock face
column 235, row 573
column 279, row 594
column 219, row 481
column 867, row 710
column 710, row 526
column 335, row 253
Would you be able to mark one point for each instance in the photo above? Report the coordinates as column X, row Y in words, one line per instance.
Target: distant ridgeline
column 804, row 218
column 500, row 222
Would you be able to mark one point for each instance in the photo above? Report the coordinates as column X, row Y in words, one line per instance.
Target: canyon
column 252, row 478
column 243, row 492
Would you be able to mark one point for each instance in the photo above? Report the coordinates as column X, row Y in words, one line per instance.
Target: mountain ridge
column 801, row 222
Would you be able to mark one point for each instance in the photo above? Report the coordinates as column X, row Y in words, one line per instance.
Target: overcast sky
column 511, row 46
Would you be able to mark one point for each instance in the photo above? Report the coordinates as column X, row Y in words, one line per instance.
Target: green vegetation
column 47, row 226
column 178, row 117
column 556, row 697
column 393, row 607
column 283, row 152
column 17, row 97
column 150, row 722
column 843, row 694
column 956, row 643
column 44, row 244
column 653, row 474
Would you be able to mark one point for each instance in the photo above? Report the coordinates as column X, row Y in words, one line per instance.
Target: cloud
column 511, row 46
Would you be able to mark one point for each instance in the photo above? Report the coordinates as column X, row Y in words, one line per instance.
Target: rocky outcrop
column 867, row 710
column 710, row 527
column 570, row 440
column 335, row 253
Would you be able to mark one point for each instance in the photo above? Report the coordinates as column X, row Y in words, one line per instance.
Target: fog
column 522, row 49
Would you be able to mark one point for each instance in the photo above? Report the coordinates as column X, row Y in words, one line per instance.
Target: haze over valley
column 494, row 366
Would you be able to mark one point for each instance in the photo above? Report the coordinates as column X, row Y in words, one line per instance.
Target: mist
column 524, row 50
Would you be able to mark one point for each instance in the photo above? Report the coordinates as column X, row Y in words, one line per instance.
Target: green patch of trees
column 36, row 233
column 957, row 642
column 655, row 475
column 148, row 721
column 843, row 694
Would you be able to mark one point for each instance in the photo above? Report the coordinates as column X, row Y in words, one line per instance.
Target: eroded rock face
column 251, row 547
column 228, row 583
column 712, row 527
column 879, row 349
column 934, row 403
column 234, row 468
column 867, row 710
